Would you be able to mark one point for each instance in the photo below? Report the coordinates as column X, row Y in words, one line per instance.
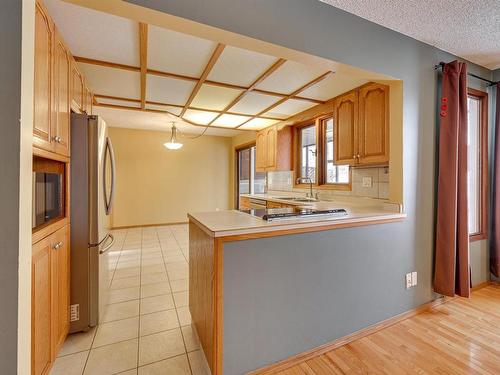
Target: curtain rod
column 491, row 83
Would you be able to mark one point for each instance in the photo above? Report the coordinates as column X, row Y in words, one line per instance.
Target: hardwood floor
column 461, row 336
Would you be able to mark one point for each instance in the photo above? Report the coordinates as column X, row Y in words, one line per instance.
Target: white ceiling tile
column 110, row 81
column 175, row 52
column 174, row 110
column 332, row 86
column 96, row 35
column 126, row 103
column 199, row 117
column 253, row 102
column 258, row 123
column 168, row 90
column 214, row 97
column 289, row 77
column 230, row 121
column 239, row 66
column 289, row 108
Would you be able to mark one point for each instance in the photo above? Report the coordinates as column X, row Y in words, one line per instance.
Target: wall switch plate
column 408, row 280
column 414, row 278
column 367, row 182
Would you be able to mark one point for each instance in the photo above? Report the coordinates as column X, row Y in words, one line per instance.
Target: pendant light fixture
column 173, row 144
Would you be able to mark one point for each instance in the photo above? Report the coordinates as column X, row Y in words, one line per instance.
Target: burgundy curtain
column 495, row 215
column 452, row 273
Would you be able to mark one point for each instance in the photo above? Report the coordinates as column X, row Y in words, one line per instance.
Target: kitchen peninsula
column 260, row 292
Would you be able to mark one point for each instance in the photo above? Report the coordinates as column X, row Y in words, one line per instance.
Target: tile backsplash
column 370, row 182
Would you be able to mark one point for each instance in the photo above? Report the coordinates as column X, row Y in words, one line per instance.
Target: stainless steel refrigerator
column 92, row 192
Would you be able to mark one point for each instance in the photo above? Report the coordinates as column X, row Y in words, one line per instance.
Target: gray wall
column 387, row 251
column 10, row 108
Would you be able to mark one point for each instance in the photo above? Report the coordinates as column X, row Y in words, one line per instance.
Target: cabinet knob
column 57, row 139
column 358, row 156
column 57, row 245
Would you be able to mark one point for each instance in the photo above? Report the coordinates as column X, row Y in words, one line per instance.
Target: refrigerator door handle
column 108, row 246
column 108, row 152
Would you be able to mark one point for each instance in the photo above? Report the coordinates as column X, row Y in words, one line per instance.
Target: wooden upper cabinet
column 271, row 135
column 60, row 267
column 373, row 124
column 41, row 323
column 362, row 126
column 44, row 37
column 261, row 151
column 274, row 149
column 346, row 128
column 78, row 93
column 61, row 97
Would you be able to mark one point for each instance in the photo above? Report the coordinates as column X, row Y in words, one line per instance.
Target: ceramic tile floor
column 146, row 328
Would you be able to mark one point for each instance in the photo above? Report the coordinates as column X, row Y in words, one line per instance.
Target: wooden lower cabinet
column 49, row 298
column 41, row 356
column 244, row 203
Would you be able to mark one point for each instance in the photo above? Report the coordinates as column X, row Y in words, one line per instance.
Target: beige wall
column 156, row 185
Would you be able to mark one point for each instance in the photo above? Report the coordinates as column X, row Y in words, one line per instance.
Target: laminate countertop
column 240, row 225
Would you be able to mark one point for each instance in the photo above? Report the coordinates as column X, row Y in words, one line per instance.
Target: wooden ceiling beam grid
column 259, row 79
column 159, row 73
column 208, row 68
column 290, row 96
column 111, row 97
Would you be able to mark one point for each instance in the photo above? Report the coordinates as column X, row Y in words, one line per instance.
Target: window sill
column 478, row 237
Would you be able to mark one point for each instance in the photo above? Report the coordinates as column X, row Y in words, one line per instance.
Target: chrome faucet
column 310, row 181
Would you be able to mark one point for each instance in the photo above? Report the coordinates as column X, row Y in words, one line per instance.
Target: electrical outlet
column 367, row 182
column 74, row 312
column 414, row 278
column 408, row 280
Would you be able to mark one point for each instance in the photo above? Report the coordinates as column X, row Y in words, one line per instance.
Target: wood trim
column 482, row 285
column 43, row 232
column 290, row 96
column 292, row 361
column 143, row 56
column 320, row 228
column 483, row 204
column 106, row 64
column 50, row 155
column 219, row 306
column 208, row 68
column 262, row 77
column 150, row 225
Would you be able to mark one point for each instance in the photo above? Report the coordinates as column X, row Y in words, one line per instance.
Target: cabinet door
column 41, row 352
column 271, row 138
column 42, row 80
column 261, row 151
column 60, row 286
column 346, row 128
column 373, row 143
column 77, row 88
column 61, row 90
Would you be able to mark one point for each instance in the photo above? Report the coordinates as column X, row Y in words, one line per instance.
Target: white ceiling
column 181, row 60
column 467, row 28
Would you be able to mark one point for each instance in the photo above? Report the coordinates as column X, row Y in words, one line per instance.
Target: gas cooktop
column 290, row 213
